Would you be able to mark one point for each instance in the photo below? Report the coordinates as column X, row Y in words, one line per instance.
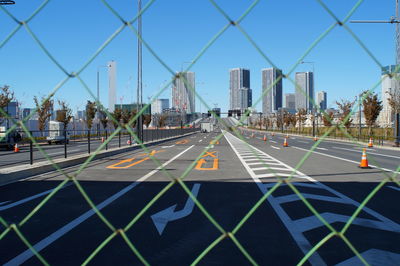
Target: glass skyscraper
column 304, row 90
column 272, row 90
column 240, row 94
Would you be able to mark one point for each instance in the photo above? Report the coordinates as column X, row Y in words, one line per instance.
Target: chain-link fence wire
column 180, row 180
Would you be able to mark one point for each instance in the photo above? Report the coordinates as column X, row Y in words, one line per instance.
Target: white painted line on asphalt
column 200, row 140
column 374, row 153
column 321, row 149
column 276, row 148
column 297, row 227
column 273, row 141
column 2, row 208
column 166, row 147
column 346, row 160
column 4, row 202
column 395, row 188
column 303, row 141
column 27, row 254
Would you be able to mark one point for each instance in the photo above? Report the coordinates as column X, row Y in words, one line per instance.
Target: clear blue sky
column 177, row 30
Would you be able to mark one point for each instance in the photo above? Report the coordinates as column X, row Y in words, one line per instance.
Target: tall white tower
column 112, row 85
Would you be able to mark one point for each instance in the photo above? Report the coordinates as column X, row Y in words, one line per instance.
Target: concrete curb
column 15, row 173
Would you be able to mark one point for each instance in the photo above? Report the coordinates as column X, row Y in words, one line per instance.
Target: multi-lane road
column 228, row 180
column 75, row 147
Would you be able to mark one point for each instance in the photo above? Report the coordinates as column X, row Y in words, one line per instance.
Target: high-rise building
column 112, row 85
column 304, row 90
column 159, row 105
column 272, row 90
column 390, row 83
column 240, row 94
column 290, row 101
column 322, row 100
column 183, row 96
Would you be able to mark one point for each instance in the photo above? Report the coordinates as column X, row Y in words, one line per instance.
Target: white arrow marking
column 160, row 219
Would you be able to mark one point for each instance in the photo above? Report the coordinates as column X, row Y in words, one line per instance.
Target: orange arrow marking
column 203, row 161
column 214, row 142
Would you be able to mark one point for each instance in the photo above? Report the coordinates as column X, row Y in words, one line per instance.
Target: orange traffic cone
column 364, row 161
column 370, row 143
column 102, row 139
column 287, row 136
column 265, row 138
column 16, row 149
column 315, row 138
column 285, row 143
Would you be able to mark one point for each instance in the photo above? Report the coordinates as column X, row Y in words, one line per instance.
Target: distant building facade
column 133, row 107
column 304, row 90
column 322, row 100
column 390, row 83
column 159, row 105
column 290, row 101
column 240, row 94
column 183, row 93
column 272, row 90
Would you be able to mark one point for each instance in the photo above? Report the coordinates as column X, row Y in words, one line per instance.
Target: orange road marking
column 211, row 154
column 214, row 142
column 203, row 161
column 182, row 141
column 117, row 165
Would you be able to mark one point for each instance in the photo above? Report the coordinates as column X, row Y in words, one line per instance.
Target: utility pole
column 139, row 101
column 393, row 20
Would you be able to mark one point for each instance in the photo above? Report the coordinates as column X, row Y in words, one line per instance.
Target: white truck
column 8, row 140
column 56, row 133
column 206, row 127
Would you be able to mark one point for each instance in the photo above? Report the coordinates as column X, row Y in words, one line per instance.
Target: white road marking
column 160, row 219
column 200, row 140
column 166, row 147
column 2, row 208
column 298, row 227
column 27, row 254
column 276, row 148
column 303, row 141
column 4, row 202
column 395, row 188
column 273, row 141
column 324, row 149
column 374, row 153
column 346, row 160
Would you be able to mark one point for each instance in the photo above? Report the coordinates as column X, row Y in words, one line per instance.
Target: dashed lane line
column 346, row 160
column 276, row 148
column 297, row 228
column 27, row 254
column 374, row 153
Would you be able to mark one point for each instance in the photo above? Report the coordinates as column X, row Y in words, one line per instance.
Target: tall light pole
column 396, row 21
column 139, row 78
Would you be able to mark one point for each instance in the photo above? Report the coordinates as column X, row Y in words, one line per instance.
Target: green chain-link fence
column 179, row 180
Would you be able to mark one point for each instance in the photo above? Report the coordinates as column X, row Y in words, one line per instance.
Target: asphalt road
column 10, row 158
column 228, row 181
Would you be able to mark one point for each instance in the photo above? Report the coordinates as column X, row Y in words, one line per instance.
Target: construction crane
column 393, row 20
